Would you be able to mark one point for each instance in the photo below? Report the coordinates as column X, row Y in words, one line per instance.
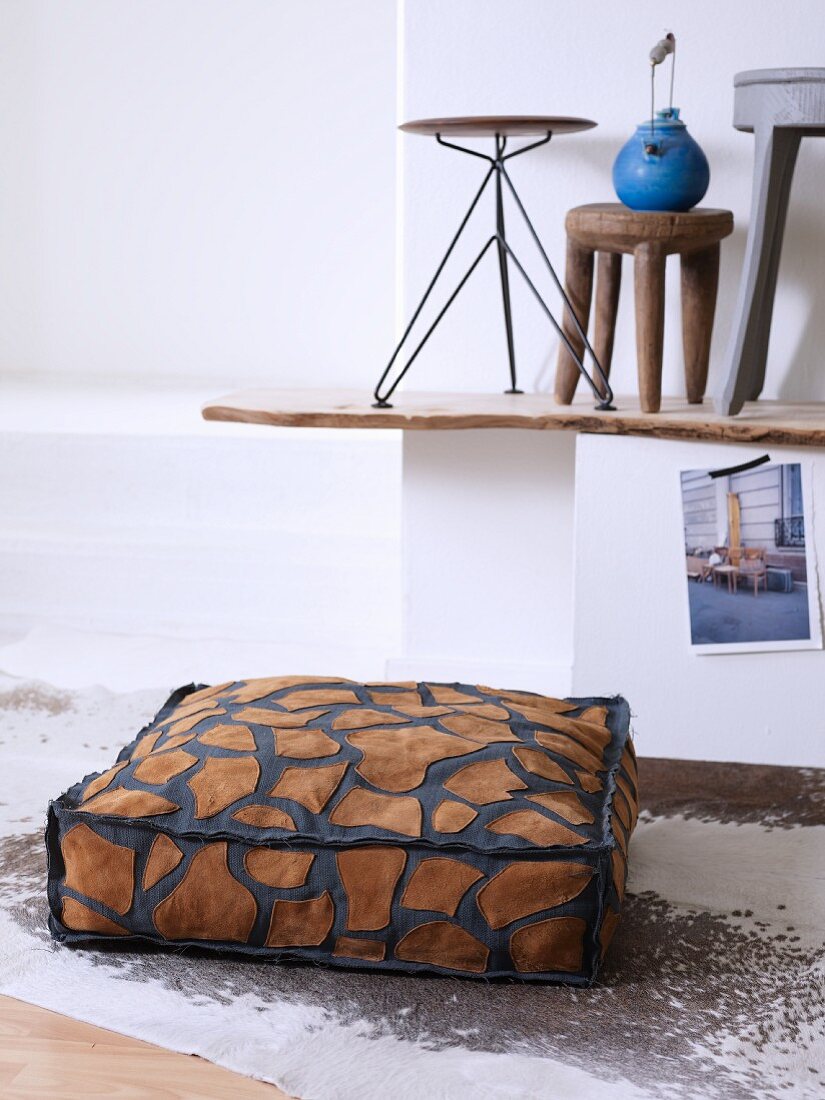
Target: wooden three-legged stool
column 650, row 236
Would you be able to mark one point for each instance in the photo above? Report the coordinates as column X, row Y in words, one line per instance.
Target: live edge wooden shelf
column 768, row 422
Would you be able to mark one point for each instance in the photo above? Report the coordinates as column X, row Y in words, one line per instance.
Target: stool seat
column 611, row 229
column 611, row 226
column 779, row 107
column 792, row 97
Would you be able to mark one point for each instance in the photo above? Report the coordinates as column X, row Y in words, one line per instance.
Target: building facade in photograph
column 754, row 508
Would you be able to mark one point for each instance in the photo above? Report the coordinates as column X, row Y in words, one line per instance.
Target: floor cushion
column 412, row 826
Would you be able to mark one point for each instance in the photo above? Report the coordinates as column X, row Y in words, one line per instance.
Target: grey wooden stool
column 780, row 107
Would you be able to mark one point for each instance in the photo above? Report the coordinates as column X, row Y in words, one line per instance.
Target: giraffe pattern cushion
column 412, row 826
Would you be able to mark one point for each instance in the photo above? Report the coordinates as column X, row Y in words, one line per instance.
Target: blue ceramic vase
column 661, row 167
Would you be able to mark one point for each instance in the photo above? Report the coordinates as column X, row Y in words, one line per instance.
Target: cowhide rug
column 713, row 986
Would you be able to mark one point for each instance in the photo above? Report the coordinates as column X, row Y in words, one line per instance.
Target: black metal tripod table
column 500, row 128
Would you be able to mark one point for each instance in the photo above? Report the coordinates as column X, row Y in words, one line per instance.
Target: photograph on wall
column 751, row 573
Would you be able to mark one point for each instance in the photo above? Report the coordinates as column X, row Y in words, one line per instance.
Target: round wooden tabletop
column 505, row 125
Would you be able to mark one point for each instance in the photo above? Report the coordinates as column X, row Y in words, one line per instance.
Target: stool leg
column 608, row 284
column 774, row 161
column 649, row 287
column 700, row 279
column 578, row 279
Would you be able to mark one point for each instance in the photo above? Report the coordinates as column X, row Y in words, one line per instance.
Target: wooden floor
column 43, row 1054
column 766, row 422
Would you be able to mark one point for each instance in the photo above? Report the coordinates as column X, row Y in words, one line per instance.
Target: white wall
column 631, row 617
column 488, row 558
column 196, row 195
column 534, row 57
column 198, row 188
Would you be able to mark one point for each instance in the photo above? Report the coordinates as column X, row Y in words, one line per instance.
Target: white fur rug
column 715, row 985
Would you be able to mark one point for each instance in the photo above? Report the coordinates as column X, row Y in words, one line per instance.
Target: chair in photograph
column 752, row 567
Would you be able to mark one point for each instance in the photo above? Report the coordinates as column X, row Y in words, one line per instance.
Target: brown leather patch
column 208, row 903
column 566, row 804
column 99, row 868
column 236, row 737
column 609, row 925
column 222, row 781
column 282, row 869
column 252, row 690
column 627, row 788
column 192, row 720
column 452, row 817
column 484, row 710
column 629, row 763
column 190, row 705
column 569, row 748
column 482, row 730
column 259, row 716
column 301, row 923
column 124, row 803
column 438, row 943
column 596, row 716
column 589, row 728
column 588, row 782
column 208, row 692
column 592, row 734
column 448, row 695
column 164, row 856
column 146, row 744
column 312, row 787
column 539, row 763
column 264, row 817
column 537, row 709
column 535, row 827
column 619, row 872
column 619, row 833
column 621, row 808
column 305, row 744
column 597, row 736
column 553, row 944
column 80, row 918
column 397, row 759
column 439, row 884
column 102, row 781
column 528, row 886
column 525, row 698
column 485, row 782
column 317, row 697
column 175, row 742
column 396, row 698
column 348, row 947
column 361, row 717
column 418, row 710
column 396, row 814
column 161, row 767
column 187, row 709
column 369, row 877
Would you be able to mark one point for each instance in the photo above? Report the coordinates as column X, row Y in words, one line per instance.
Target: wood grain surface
column 767, row 422
column 44, row 1054
column 612, row 227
